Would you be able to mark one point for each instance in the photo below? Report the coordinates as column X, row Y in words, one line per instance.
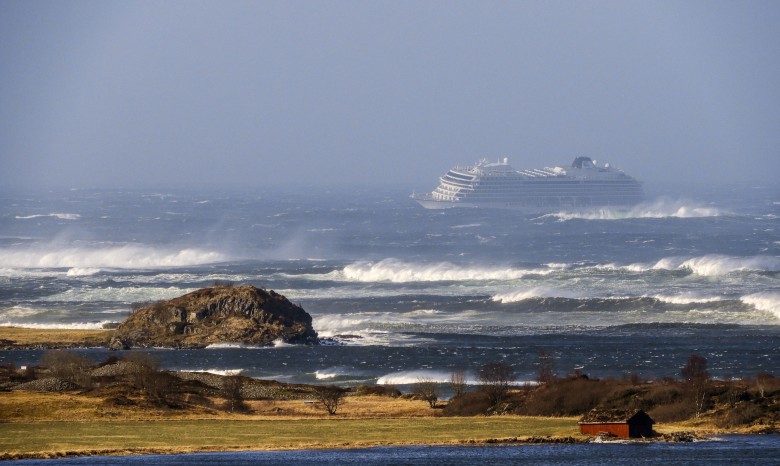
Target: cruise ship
column 583, row 185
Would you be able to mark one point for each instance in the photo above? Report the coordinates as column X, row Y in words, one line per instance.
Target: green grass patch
column 55, row 438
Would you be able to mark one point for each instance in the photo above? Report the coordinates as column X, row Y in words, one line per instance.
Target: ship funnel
column 506, row 160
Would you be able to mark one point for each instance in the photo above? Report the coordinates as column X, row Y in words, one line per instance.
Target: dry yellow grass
column 16, row 336
column 49, row 424
column 21, row 406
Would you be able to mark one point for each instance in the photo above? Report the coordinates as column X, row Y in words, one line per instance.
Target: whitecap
column 396, row 271
column 660, row 208
column 129, row 256
column 58, row 325
column 766, row 301
column 61, row 216
column 535, row 292
column 225, row 372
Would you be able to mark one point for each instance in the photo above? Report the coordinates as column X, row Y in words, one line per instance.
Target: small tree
column 330, row 397
column 426, row 389
column 145, row 374
column 697, row 379
column 458, row 383
column 545, row 368
column 495, row 379
column 762, row 379
column 231, row 391
column 68, row 366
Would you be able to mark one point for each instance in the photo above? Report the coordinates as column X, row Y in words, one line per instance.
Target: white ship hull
column 583, row 186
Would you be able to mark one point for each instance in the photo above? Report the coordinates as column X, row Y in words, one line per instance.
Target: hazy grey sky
column 269, row 93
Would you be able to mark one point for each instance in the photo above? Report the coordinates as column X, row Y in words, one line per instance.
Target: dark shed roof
column 601, row 416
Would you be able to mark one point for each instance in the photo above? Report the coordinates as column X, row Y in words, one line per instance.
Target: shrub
column 495, row 378
column 468, row 404
column 427, row 390
column 741, row 415
column 458, row 383
column 231, row 392
column 330, row 397
column 68, row 366
column 378, row 390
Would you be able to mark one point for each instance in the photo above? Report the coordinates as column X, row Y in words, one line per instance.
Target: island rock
column 220, row 314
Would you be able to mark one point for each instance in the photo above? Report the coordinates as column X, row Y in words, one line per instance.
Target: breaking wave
column 396, row 271
column 414, row 376
column 58, row 326
column 661, row 208
column 129, row 256
column 716, row 264
column 64, row 216
column 117, row 294
column 764, row 301
column 687, row 298
column 710, row 265
column 532, row 293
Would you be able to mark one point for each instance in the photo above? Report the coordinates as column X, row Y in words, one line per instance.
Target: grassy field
column 15, row 336
column 57, row 424
column 57, row 438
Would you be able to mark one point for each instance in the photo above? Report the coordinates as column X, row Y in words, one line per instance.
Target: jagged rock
column 220, row 314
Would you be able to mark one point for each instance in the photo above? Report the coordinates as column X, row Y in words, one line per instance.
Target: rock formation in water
column 220, row 314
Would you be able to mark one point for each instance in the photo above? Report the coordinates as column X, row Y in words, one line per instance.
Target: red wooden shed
column 626, row 423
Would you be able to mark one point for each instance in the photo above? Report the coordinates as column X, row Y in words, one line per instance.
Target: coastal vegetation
column 65, row 405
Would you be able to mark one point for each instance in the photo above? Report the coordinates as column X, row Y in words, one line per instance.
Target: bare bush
column 231, row 392
column 458, row 383
column 762, row 380
column 378, row 390
column 69, row 366
column 495, row 379
column 545, row 368
column 145, row 374
column 426, row 389
column 330, row 397
column 468, row 404
column 697, row 379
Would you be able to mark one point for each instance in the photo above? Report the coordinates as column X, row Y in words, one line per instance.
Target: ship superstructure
column 583, row 185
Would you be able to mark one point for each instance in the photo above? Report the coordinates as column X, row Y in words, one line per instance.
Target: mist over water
column 401, row 292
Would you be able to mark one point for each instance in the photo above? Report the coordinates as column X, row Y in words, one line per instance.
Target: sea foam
column 130, row 256
column 61, row 216
column 532, row 293
column 764, row 301
column 396, row 271
column 660, row 208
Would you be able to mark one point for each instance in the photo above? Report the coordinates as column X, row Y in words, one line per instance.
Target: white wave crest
column 531, row 293
column 118, row 294
column 765, row 301
column 82, row 271
column 331, row 373
column 396, row 271
column 414, row 376
column 716, row 264
column 710, row 265
column 219, row 371
column 131, row 256
column 660, row 208
column 58, row 325
column 60, row 216
column 687, row 298
column 16, row 312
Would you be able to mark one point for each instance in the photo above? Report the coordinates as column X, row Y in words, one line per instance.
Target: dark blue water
column 406, row 292
column 727, row 449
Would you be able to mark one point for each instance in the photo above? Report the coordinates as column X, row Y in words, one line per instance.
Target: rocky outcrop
column 220, row 314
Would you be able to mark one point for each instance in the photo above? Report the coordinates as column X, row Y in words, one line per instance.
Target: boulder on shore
column 220, row 314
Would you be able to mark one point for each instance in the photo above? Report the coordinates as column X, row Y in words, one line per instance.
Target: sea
column 399, row 293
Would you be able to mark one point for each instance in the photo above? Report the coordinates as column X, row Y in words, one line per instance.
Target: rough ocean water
column 402, row 292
